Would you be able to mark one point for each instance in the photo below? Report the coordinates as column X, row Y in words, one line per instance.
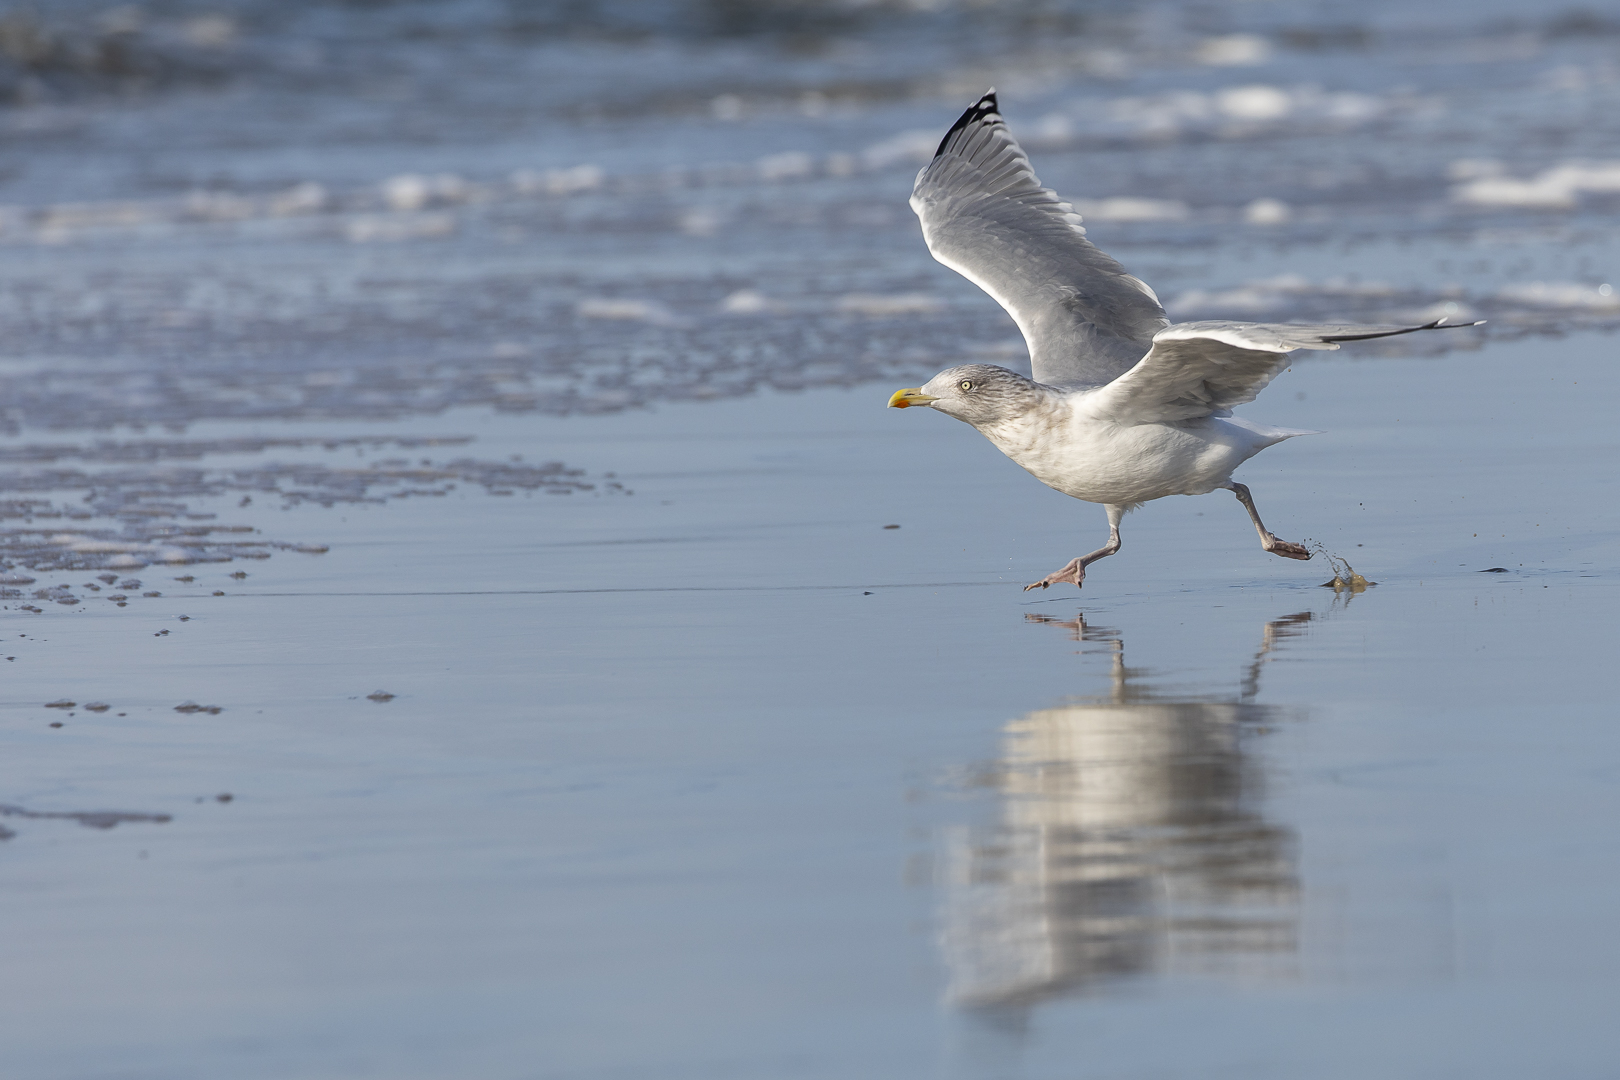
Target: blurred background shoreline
column 259, row 210
column 469, row 614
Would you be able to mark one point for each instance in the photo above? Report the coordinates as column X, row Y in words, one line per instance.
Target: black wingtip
column 985, row 106
column 1438, row 324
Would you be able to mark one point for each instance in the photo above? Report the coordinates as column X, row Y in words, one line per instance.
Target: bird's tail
column 1265, row 434
column 1279, row 434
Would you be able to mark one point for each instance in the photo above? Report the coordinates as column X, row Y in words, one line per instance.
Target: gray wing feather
column 1203, row 368
column 986, row 216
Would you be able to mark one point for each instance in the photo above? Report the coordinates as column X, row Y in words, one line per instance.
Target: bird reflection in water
column 1130, row 841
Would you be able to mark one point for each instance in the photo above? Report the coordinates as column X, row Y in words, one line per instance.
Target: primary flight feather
column 1125, row 406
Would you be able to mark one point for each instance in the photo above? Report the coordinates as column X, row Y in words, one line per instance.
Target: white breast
column 1105, row 462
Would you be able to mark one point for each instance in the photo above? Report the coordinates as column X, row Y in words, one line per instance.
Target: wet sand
column 722, row 777
column 453, row 628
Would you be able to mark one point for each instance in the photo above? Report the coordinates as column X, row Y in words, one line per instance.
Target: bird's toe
column 1074, row 574
column 1290, row 551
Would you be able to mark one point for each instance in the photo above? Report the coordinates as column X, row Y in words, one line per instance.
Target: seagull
column 1125, row 406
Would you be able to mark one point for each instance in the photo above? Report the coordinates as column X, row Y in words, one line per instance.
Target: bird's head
column 974, row 393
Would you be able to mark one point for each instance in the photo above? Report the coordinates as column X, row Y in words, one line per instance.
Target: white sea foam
column 1128, row 208
column 1267, row 212
column 880, row 305
column 627, row 310
column 1557, row 188
column 570, row 181
column 1254, row 103
column 1274, row 294
column 908, row 147
column 790, row 165
column 700, row 221
column 410, row 192
column 1572, row 295
column 1474, row 169
column 395, row 228
column 1233, row 50
column 745, row 302
column 1239, row 109
column 406, row 193
column 305, row 198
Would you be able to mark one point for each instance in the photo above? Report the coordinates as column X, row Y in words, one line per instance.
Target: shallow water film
column 466, row 611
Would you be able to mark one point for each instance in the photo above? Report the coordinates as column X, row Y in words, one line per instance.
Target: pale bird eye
column 967, row 385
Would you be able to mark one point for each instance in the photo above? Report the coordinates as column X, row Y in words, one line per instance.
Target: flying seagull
column 1125, row 406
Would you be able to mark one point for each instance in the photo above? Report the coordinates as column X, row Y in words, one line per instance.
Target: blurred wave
column 244, row 209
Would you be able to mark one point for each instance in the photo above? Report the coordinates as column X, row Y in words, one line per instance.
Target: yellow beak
column 905, row 399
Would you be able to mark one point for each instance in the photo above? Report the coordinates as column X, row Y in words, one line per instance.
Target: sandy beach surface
column 723, row 777
column 466, row 611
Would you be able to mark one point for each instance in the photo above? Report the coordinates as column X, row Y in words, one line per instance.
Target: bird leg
column 1076, row 570
column 1267, row 541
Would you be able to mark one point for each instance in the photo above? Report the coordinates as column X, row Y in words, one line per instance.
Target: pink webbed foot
column 1287, row 550
column 1074, row 572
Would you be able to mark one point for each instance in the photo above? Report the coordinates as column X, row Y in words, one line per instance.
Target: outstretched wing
column 985, row 215
column 1201, row 368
